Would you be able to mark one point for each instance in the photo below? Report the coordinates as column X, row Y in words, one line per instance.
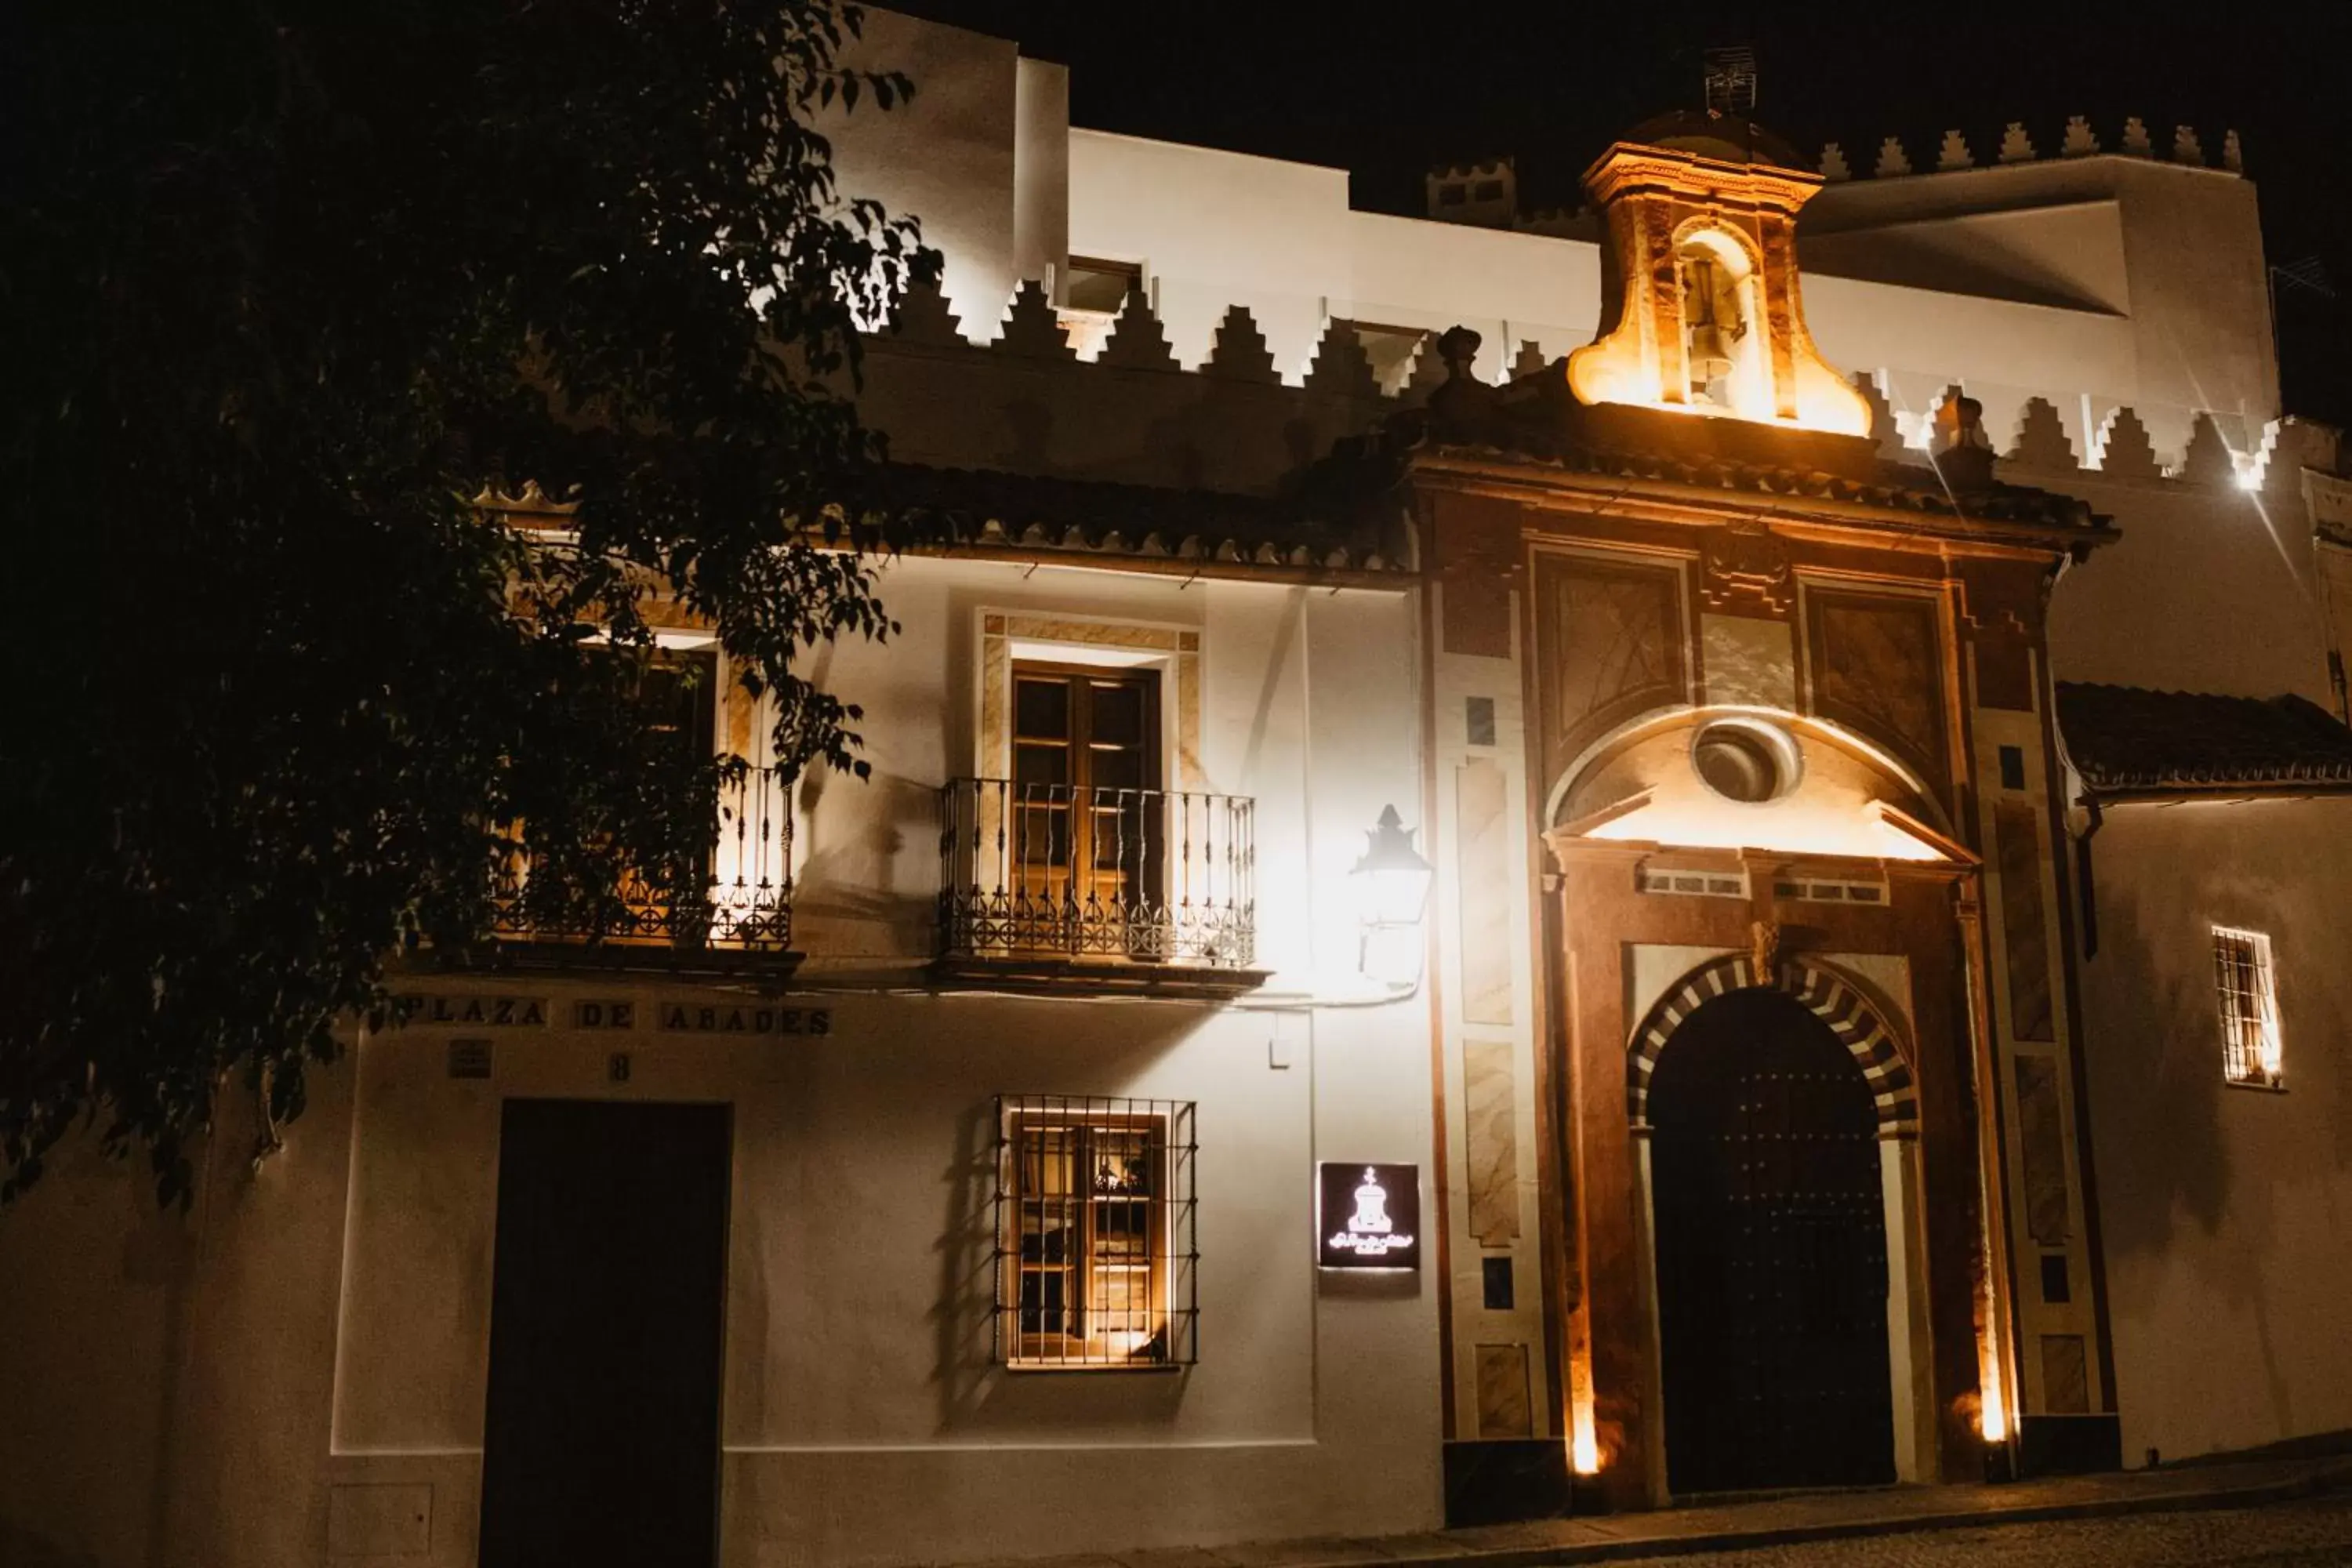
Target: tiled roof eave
column 2008, row 516
column 2134, row 742
column 2215, row 785
column 1003, row 515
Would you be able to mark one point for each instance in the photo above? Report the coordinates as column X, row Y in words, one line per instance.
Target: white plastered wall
column 2222, row 1208
column 323, row 1324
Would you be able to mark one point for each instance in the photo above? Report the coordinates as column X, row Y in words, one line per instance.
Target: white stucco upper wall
column 2091, row 282
column 2173, row 250
column 1214, row 229
column 2078, row 300
column 977, row 154
column 1509, row 288
column 2068, row 254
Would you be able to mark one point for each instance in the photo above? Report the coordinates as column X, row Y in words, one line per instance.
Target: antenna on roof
column 1731, row 80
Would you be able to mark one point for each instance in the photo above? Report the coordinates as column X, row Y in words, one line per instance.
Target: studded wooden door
column 1771, row 1253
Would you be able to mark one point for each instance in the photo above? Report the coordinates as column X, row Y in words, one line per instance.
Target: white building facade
column 1024, row 1107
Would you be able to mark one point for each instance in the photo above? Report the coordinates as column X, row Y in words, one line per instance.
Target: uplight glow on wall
column 1684, row 812
column 1993, row 1419
column 1583, row 1447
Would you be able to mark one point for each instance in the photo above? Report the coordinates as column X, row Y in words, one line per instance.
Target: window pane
column 1123, row 1229
column 1122, row 1163
column 1046, row 765
column 1041, row 709
column 1047, row 1154
column 1049, row 1241
column 1118, row 770
column 1118, row 716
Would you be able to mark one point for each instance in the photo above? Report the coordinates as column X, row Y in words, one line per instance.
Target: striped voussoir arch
column 1828, row 996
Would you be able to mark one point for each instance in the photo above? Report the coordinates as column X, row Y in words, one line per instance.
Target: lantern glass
column 1392, row 879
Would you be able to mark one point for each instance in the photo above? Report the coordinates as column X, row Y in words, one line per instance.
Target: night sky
column 1386, row 90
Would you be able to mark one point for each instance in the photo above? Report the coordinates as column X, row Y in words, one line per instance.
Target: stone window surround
column 1174, row 651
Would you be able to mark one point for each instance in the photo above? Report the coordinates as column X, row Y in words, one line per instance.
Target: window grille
column 1840, row 892
column 2246, row 985
column 1706, row 884
column 1097, row 1255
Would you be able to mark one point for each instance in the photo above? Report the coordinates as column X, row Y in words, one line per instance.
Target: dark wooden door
column 601, row 1437
column 1771, row 1253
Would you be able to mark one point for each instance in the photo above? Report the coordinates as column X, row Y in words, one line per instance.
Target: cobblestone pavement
column 2305, row 1534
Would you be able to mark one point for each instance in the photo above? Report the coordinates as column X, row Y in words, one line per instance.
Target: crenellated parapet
column 1105, row 398
column 1954, row 153
column 2038, row 450
column 1132, row 411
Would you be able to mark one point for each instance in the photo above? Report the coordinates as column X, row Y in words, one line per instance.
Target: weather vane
column 1731, row 80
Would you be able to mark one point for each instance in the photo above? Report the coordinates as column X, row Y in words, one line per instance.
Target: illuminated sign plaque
column 1368, row 1216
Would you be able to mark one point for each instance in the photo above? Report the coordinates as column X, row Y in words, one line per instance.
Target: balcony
column 1116, row 889
column 743, row 914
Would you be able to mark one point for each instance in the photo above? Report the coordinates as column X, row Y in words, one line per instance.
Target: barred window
column 2246, row 985
column 1096, row 1259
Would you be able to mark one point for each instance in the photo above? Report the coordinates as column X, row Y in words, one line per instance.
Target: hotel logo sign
column 1368, row 1216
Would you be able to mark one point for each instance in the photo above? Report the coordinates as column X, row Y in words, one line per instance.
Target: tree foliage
column 285, row 285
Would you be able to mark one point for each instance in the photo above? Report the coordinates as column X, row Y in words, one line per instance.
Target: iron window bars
column 2245, row 985
column 1147, row 876
column 1098, row 1254
column 747, row 896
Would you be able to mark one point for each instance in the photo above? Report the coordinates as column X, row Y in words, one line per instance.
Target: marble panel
column 1748, row 661
column 2004, row 672
column 1484, row 890
column 2042, row 1142
column 1613, row 645
column 1876, row 666
column 1491, row 1138
column 2065, row 1376
column 1503, row 1409
column 1651, row 969
column 2017, row 848
column 1887, row 977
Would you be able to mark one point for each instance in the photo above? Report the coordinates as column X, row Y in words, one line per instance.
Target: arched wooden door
column 1771, row 1253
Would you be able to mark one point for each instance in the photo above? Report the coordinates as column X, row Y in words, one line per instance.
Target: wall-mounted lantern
column 1391, row 882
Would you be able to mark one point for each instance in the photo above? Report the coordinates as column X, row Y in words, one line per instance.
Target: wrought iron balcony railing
column 1099, row 877
column 744, row 902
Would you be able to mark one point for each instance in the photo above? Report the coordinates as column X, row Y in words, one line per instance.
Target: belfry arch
column 1726, row 358
column 1830, row 996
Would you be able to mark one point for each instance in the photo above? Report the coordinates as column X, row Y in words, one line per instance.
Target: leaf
column 274, row 341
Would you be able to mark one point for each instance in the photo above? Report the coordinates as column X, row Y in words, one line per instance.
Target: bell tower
column 1707, row 317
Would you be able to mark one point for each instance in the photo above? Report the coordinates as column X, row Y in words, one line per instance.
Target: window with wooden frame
column 1088, row 813
column 2245, row 985
column 1096, row 1259
column 1098, row 284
